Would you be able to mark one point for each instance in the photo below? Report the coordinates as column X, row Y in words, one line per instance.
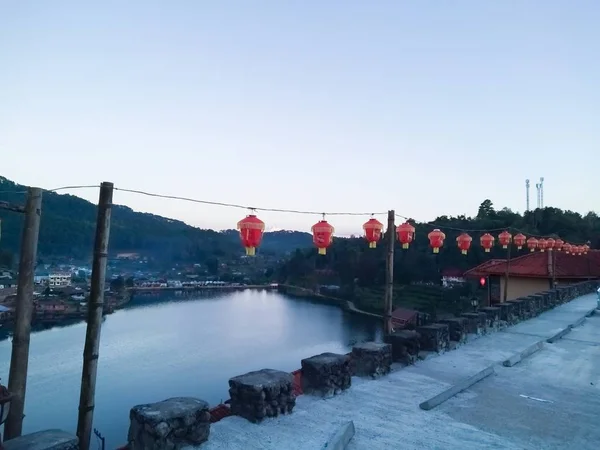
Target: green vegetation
column 360, row 271
column 68, row 224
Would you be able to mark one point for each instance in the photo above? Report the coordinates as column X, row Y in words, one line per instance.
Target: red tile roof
column 538, row 265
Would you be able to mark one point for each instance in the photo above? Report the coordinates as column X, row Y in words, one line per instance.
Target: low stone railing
column 185, row 421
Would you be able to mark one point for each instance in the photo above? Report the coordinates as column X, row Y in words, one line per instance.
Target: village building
column 534, row 272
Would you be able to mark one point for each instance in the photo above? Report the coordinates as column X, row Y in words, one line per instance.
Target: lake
column 161, row 347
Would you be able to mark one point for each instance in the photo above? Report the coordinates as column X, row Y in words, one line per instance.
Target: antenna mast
column 537, row 187
column 527, row 194
column 541, row 192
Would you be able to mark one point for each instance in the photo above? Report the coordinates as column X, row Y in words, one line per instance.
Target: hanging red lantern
column 542, row 244
column 406, row 234
column 505, row 239
column 532, row 244
column 464, row 243
column 566, row 248
column 487, row 241
column 520, row 240
column 322, row 235
column 373, row 228
column 251, row 230
column 579, row 250
column 558, row 244
column 550, row 244
column 436, row 240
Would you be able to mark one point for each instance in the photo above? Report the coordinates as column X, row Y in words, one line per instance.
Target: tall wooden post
column 389, row 272
column 19, row 359
column 506, row 275
column 94, row 319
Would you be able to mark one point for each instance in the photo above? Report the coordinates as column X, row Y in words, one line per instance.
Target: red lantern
column 482, row 281
column 558, row 244
column 520, row 240
column 406, row 234
column 436, row 240
column 542, row 244
column 567, row 248
column 464, row 243
column 532, row 244
column 487, row 241
column 550, row 244
column 322, row 235
column 251, row 232
column 578, row 249
column 505, row 239
column 372, row 230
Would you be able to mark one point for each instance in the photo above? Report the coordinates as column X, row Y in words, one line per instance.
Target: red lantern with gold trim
column 505, row 239
column 566, row 248
column 520, row 240
column 558, row 244
column 251, row 230
column 436, row 240
column 373, row 228
column 542, row 244
column 550, row 244
column 487, row 242
column 532, row 244
column 464, row 243
column 578, row 249
column 406, row 234
column 322, row 236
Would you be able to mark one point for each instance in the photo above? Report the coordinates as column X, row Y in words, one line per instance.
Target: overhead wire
column 287, row 211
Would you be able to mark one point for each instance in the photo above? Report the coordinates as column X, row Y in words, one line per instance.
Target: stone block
column 168, row 425
column 518, row 309
column 405, row 345
column 262, row 393
column 43, row 440
column 434, row 337
column 492, row 316
column 529, row 309
column 538, row 302
column 326, row 374
column 457, row 327
column 471, row 323
column 507, row 312
column 371, row 359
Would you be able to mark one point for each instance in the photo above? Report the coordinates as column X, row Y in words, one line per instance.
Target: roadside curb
column 567, row 330
column 518, row 357
column 456, row 389
column 340, row 439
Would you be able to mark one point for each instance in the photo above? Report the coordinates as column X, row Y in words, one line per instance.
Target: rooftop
column 537, row 265
column 549, row 400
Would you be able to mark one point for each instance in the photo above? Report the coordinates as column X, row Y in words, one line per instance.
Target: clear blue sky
column 426, row 107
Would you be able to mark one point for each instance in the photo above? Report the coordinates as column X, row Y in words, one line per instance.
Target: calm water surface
column 156, row 349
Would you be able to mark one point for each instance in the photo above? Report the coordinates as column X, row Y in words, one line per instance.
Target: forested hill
column 350, row 263
column 68, row 224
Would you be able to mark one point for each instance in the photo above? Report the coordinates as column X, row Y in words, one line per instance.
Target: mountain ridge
column 68, row 224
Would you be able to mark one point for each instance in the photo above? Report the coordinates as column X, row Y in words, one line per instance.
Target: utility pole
column 506, row 274
column 19, row 358
column 389, row 273
column 94, row 319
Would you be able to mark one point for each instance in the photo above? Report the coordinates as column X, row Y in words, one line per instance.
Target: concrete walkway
column 498, row 412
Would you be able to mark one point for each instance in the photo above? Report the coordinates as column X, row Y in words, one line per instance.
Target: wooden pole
column 506, row 275
column 94, row 319
column 19, row 359
column 389, row 273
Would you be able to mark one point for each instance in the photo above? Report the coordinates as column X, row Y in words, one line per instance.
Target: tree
column 486, row 210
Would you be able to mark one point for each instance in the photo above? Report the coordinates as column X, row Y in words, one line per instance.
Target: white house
column 59, row 279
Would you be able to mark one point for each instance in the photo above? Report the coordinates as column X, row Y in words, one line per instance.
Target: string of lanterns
column 251, row 230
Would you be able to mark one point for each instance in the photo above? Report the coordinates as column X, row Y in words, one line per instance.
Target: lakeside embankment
column 346, row 305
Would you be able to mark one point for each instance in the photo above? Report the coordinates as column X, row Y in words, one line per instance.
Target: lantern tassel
column 372, row 244
column 464, row 252
column 322, row 251
column 436, row 250
column 405, row 246
column 487, row 250
column 250, row 251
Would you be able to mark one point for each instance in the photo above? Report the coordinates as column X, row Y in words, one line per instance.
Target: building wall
column 522, row 287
